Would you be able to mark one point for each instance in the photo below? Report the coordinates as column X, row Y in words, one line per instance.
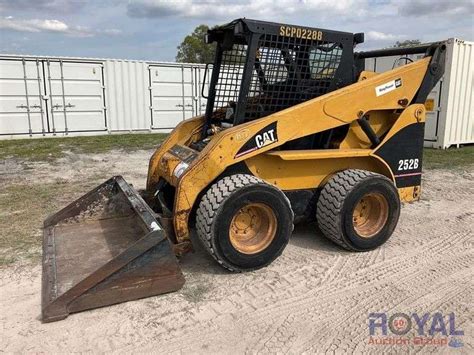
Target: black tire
column 338, row 200
column 223, row 201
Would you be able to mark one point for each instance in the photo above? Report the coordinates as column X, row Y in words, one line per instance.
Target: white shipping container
column 450, row 105
column 457, row 101
column 41, row 96
column 45, row 96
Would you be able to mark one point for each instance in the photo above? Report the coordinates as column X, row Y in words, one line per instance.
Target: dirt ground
column 314, row 298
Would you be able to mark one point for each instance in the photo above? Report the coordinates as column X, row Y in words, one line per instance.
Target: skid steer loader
column 294, row 129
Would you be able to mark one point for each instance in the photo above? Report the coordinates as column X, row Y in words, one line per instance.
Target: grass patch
column 53, row 148
column 23, row 208
column 449, row 158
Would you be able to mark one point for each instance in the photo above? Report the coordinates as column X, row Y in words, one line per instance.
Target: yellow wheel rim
column 253, row 228
column 370, row 215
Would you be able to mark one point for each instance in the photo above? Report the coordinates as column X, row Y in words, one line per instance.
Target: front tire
column 358, row 209
column 243, row 222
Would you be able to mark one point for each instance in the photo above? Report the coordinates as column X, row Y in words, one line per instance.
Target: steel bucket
column 106, row 247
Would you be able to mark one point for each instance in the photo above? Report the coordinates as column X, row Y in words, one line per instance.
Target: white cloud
column 112, row 31
column 251, row 8
column 33, row 25
column 51, row 25
column 55, row 6
column 383, row 21
column 46, row 25
column 381, row 36
column 275, row 10
column 451, row 8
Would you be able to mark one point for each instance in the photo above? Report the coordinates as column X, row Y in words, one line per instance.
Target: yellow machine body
column 295, row 170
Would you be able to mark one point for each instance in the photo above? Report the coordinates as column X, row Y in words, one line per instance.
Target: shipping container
column 450, row 105
column 40, row 96
column 46, row 96
column 57, row 96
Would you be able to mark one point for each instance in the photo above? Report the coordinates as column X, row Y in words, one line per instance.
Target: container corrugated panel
column 97, row 96
column 458, row 102
column 128, row 96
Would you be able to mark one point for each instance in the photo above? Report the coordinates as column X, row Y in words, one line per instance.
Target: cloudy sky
column 151, row 29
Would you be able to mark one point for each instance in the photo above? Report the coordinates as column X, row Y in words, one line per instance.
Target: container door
column 76, row 96
column 172, row 95
column 189, row 93
column 21, row 97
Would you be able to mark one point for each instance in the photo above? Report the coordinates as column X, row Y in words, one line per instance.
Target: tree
column 407, row 43
column 194, row 49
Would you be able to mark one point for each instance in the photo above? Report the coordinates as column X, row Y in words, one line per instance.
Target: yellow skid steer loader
column 295, row 129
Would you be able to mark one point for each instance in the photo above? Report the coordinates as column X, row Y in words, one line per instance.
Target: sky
column 152, row 29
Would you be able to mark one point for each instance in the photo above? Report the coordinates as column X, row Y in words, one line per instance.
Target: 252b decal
column 408, row 164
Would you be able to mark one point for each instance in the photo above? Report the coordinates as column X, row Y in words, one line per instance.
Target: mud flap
column 105, row 248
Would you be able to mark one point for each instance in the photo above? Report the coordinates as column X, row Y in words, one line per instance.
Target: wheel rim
column 370, row 215
column 253, row 228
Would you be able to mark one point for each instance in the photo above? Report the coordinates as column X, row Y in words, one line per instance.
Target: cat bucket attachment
column 105, row 248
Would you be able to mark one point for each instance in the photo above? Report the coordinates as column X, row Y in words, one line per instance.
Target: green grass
column 53, row 148
column 23, row 208
column 453, row 158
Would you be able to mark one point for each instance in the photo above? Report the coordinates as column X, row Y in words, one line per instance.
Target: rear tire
column 358, row 209
column 243, row 222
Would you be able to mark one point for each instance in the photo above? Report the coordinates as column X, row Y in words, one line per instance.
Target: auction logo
column 428, row 329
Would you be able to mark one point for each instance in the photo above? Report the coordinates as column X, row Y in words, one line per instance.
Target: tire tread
column 209, row 208
column 331, row 200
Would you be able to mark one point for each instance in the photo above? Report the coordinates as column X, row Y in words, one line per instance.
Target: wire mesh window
column 271, row 62
column 324, row 60
column 229, row 81
column 288, row 71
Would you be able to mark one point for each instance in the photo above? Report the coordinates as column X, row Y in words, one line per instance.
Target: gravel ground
column 315, row 298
